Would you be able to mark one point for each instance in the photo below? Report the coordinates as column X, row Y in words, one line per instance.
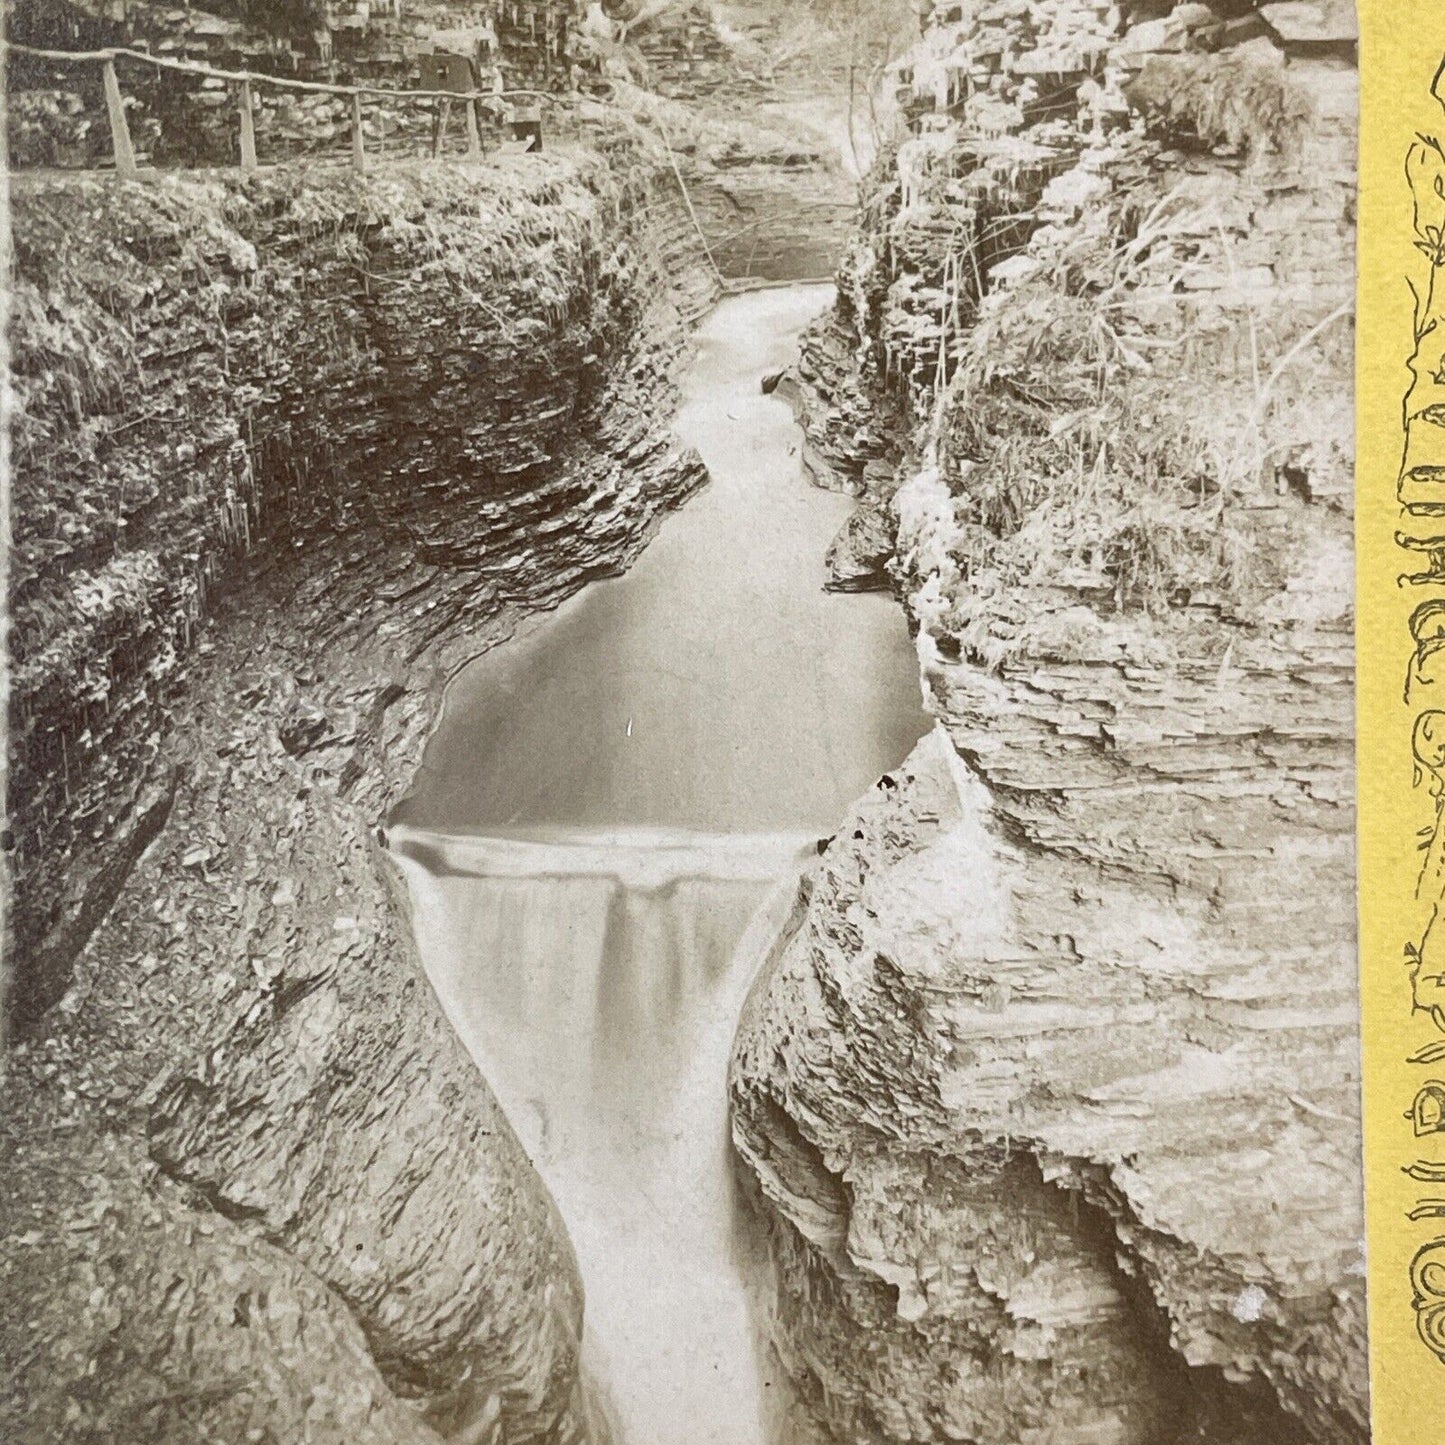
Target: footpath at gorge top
column 563, row 47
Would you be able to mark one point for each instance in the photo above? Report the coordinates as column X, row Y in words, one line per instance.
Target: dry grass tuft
column 1136, row 471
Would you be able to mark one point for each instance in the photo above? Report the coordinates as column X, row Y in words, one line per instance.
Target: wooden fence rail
column 246, row 83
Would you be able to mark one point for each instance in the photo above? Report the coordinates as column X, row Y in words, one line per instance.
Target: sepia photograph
column 681, row 723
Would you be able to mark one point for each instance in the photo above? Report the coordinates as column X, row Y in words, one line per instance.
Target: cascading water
column 606, row 809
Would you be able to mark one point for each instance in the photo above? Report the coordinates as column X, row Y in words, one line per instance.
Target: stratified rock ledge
column 251, row 1185
column 1048, row 1100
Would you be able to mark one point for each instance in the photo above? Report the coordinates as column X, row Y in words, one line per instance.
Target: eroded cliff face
column 1048, row 1098
column 288, row 451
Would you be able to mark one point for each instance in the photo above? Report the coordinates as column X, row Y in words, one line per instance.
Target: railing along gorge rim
column 124, row 151
column 127, row 168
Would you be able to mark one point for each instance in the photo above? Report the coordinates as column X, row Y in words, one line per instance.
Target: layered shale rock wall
column 288, row 450
column 1048, row 1096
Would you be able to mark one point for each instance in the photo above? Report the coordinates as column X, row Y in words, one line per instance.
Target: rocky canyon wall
column 1047, row 1099
column 287, row 451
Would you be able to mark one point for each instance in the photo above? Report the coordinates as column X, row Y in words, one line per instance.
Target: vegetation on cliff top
column 1098, row 447
column 1087, row 328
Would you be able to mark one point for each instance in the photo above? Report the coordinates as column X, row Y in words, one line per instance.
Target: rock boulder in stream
column 858, row 556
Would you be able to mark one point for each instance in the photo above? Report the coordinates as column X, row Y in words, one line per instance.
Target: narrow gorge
column 597, row 822
column 698, row 787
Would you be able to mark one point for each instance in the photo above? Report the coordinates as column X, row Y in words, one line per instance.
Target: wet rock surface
column 394, row 369
column 1033, row 1145
column 253, row 1186
column 1048, row 1101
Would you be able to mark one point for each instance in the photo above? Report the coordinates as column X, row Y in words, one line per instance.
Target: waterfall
column 597, row 980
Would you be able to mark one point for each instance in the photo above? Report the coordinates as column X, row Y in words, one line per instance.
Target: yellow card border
column 1401, row 725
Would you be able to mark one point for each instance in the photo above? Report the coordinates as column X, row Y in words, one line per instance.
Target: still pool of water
column 598, row 849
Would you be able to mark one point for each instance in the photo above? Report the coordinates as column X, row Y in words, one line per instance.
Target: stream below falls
column 602, row 839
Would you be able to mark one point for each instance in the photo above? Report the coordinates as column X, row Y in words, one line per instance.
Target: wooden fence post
column 120, row 141
column 474, row 134
column 248, row 128
column 358, row 144
column 440, row 117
